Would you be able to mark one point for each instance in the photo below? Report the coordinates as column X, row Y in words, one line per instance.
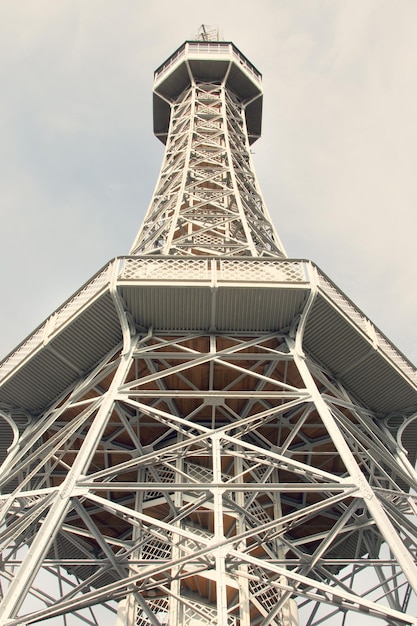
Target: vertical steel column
column 175, row 609
column 370, row 499
column 62, row 499
column 242, row 215
column 244, row 611
column 219, row 531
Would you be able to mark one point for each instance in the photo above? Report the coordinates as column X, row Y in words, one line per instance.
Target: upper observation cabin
column 213, row 62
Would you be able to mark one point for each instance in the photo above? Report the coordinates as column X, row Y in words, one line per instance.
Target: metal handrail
column 214, row 271
column 214, row 48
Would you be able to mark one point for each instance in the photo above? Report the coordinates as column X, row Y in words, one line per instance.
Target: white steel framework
column 207, row 200
column 199, row 436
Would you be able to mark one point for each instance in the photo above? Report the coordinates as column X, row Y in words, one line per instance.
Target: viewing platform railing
column 213, row 271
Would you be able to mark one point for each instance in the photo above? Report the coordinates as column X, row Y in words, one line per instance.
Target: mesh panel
column 83, row 296
column 179, row 268
column 342, row 302
column 155, row 549
column 21, row 353
column 258, row 512
column 199, row 614
column 395, row 356
column 207, row 240
column 159, row 608
column 360, row 320
column 54, row 322
column 164, row 475
column 167, row 269
column 252, row 269
column 267, row 596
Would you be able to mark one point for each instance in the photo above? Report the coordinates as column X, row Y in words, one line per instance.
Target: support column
column 219, row 534
column 374, row 506
column 62, row 501
column 244, row 609
column 176, row 609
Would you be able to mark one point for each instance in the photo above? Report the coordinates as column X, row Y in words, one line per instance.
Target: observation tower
column 208, row 432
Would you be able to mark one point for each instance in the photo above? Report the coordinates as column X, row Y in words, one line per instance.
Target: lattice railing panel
column 169, row 269
column 199, row 614
column 191, row 545
column 341, row 301
column 56, row 321
column 257, row 511
column 165, row 475
column 199, row 473
column 252, row 269
column 355, row 315
column 156, row 549
column 159, row 607
column 243, row 270
column 267, row 595
column 33, row 342
column 83, row 296
column 395, row 356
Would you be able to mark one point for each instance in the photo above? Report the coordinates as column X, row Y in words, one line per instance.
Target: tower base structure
column 209, row 459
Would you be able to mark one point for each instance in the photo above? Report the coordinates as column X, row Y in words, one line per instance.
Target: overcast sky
column 336, row 162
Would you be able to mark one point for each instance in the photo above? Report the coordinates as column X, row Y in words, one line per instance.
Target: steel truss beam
column 207, row 200
column 217, row 486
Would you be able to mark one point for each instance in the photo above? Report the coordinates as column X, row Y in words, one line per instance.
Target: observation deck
column 177, row 293
column 210, row 61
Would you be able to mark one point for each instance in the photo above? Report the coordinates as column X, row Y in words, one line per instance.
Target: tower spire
column 207, row 110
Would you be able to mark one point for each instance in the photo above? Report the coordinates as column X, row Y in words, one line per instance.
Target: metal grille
column 56, row 321
column 198, row 614
column 244, row 270
column 74, row 304
column 395, row 356
column 159, row 608
column 165, row 475
column 366, row 326
column 33, row 342
column 207, row 200
column 198, row 473
column 169, row 269
column 257, row 511
column 155, row 549
column 343, row 303
column 259, row 270
column 267, row 595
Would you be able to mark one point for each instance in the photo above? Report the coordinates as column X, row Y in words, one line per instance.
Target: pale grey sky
column 336, row 163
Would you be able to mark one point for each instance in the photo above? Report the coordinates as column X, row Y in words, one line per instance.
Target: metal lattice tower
column 208, row 432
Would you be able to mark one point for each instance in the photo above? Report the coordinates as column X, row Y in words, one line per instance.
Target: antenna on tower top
column 208, row 33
